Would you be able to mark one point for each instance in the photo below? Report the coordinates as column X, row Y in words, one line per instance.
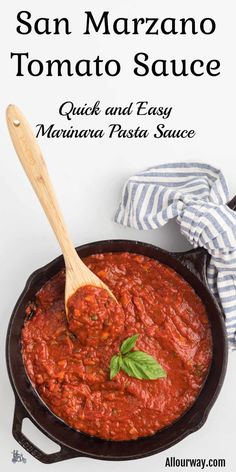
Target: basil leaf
column 132, row 369
column 135, row 364
column 143, row 366
column 128, row 344
column 115, row 366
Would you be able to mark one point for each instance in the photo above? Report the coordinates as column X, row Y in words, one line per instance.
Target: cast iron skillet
column 191, row 266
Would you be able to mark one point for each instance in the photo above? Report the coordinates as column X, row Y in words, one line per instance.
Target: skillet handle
column 196, row 260
column 19, row 415
column 232, row 203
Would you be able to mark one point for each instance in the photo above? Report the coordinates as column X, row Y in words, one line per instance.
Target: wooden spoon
column 29, row 153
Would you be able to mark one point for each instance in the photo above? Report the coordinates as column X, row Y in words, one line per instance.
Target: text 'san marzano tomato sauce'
column 71, row 374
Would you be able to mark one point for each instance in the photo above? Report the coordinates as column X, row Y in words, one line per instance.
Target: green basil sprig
column 136, row 364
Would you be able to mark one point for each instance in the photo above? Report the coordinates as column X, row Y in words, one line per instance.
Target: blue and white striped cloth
column 196, row 194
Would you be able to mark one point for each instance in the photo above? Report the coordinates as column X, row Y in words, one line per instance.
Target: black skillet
column 191, row 266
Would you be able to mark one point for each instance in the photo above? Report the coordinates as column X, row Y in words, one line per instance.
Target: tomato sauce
column 94, row 316
column 68, row 363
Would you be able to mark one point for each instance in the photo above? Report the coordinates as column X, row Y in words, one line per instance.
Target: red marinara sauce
column 94, row 316
column 71, row 374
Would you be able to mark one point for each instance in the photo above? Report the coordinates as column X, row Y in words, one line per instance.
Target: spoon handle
column 31, row 158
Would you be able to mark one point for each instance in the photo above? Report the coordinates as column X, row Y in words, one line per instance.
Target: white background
column 88, row 174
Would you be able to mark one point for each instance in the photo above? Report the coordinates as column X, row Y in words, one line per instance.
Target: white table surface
column 88, row 174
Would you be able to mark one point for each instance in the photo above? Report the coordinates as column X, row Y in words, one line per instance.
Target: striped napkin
column 196, row 194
